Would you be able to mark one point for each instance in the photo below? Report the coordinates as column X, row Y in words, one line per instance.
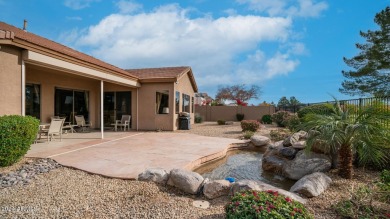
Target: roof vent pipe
column 25, row 25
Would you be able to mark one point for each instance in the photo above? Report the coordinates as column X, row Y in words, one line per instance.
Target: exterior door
column 116, row 104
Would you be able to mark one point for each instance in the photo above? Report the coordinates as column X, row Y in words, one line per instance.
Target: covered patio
column 126, row 154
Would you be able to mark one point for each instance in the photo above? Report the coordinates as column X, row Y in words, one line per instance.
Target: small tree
column 294, row 103
column 372, row 64
column 239, row 93
column 283, row 103
column 344, row 130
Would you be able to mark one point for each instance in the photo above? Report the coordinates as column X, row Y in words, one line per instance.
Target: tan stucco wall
column 184, row 86
column 148, row 118
column 51, row 79
column 10, row 80
column 228, row 113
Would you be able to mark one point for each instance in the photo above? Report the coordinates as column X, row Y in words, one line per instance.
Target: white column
column 101, row 108
column 23, row 88
column 137, row 108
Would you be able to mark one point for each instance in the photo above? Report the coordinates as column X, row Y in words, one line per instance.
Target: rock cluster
column 288, row 158
column 27, row 172
column 193, row 183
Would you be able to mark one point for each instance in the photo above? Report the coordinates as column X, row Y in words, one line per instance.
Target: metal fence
column 357, row 104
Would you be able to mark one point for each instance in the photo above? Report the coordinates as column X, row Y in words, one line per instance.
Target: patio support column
column 137, row 107
column 101, row 108
column 23, row 111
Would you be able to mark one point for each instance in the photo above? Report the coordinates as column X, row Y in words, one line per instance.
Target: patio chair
column 124, row 122
column 54, row 129
column 81, row 123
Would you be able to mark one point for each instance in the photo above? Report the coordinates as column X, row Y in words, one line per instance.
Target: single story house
column 42, row 78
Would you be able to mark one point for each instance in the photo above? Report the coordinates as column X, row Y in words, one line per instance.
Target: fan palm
column 347, row 130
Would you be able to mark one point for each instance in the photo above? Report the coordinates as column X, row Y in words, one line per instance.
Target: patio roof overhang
column 31, row 57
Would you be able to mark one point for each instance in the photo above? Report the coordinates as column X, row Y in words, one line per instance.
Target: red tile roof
column 10, row 32
column 154, row 73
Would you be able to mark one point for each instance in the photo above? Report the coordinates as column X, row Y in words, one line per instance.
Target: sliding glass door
column 33, row 100
column 69, row 103
column 116, row 104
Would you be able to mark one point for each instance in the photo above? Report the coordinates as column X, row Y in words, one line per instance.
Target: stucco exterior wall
column 51, row 79
column 184, row 86
column 228, row 113
column 148, row 118
column 10, row 80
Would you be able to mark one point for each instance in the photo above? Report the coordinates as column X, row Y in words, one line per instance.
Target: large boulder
column 312, row 185
column 157, row 175
column 288, row 152
column 216, row 188
column 302, row 135
column 187, row 181
column 299, row 145
column 291, row 140
column 259, row 140
column 273, row 164
column 306, row 163
column 243, row 185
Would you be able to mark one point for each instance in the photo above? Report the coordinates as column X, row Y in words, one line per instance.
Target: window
column 69, row 103
column 192, row 104
column 177, row 102
column 33, row 100
column 162, row 102
column 186, row 103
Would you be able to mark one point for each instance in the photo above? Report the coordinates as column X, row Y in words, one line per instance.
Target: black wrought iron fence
column 357, row 104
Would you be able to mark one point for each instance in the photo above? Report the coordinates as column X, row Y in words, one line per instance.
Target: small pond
column 243, row 164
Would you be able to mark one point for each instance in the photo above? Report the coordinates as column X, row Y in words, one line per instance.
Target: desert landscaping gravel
column 68, row 193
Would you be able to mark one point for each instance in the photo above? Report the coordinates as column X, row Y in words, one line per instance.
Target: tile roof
column 10, row 32
column 155, row 73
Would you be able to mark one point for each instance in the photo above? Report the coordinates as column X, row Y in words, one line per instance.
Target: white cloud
column 214, row 47
column 78, row 4
column 126, row 7
column 295, row 8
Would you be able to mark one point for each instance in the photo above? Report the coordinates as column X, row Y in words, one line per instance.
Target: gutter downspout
column 23, row 111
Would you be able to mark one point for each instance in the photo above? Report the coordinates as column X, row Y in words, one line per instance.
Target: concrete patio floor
column 126, row 154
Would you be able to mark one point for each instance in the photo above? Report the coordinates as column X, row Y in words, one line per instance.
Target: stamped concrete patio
column 126, row 154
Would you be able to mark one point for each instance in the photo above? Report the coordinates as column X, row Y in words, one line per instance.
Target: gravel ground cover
column 67, row 193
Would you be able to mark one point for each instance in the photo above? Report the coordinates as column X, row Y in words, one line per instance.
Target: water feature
column 243, row 164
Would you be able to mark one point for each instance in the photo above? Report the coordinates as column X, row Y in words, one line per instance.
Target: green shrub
column 280, row 118
column 17, row 133
column 250, row 125
column 221, row 122
column 280, row 134
column 292, row 122
column 324, row 109
column 266, row 119
column 265, row 204
column 240, row 116
column 198, row 119
column 248, row 134
column 384, row 186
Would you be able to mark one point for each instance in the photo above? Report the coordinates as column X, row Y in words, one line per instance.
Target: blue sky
column 287, row 47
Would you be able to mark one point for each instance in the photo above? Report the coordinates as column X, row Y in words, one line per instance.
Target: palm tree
column 347, row 130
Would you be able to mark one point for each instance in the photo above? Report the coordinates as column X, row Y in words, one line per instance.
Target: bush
column 221, row 122
column 240, row 116
column 198, row 119
column 280, row 118
column 280, row 134
column 248, row 134
column 266, row 204
column 292, row 122
column 17, row 133
column 250, row 125
column 266, row 119
column 324, row 109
